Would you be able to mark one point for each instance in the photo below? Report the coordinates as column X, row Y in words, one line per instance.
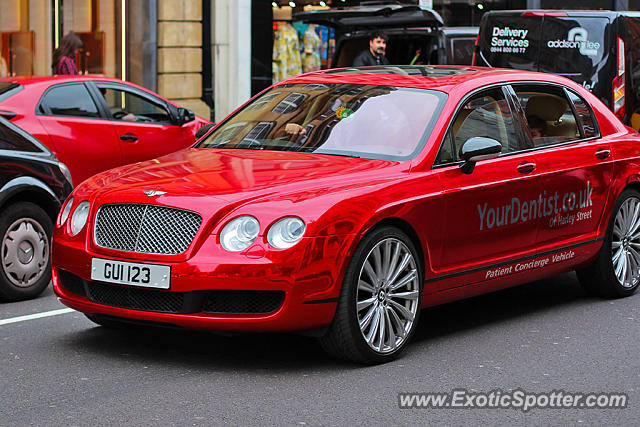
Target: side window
column 70, row 100
column 130, row 107
column 587, row 122
column 12, row 140
column 488, row 114
column 550, row 119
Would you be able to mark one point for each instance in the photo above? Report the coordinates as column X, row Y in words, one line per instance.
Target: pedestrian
column 64, row 56
column 375, row 54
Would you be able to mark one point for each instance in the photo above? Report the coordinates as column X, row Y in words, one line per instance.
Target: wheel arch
column 28, row 189
column 406, row 228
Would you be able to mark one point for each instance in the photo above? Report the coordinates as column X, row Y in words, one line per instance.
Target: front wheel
column 380, row 300
column 26, row 230
column 616, row 271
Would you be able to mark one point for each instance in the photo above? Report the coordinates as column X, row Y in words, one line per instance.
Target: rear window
column 571, row 46
column 70, row 100
column 8, row 89
column 12, row 139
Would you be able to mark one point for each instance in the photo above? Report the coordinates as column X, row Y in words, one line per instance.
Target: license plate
column 131, row 273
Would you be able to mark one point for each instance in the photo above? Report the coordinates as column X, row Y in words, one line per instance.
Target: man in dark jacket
column 375, row 54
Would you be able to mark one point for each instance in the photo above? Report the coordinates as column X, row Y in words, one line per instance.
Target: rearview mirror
column 203, row 130
column 185, row 116
column 476, row 149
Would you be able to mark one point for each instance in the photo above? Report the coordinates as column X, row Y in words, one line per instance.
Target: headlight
column 79, row 217
column 286, row 232
column 65, row 171
column 64, row 214
column 239, row 233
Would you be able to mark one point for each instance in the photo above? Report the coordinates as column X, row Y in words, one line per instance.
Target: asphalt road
column 540, row 337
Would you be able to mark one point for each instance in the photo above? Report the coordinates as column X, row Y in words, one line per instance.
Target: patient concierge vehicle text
column 340, row 203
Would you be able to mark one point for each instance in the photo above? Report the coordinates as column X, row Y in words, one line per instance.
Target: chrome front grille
column 148, row 229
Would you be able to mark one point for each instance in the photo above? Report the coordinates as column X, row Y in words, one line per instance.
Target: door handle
column 526, row 167
column 603, row 154
column 129, row 137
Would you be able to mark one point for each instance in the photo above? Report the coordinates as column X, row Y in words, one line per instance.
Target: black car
column 598, row 49
column 416, row 35
column 33, row 185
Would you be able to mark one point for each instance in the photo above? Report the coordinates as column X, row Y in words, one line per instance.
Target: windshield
column 379, row 122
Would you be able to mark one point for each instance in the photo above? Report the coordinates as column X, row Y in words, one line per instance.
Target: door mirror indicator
column 476, row 149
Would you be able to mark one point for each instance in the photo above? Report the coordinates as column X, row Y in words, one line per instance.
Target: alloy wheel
column 625, row 243
column 388, row 295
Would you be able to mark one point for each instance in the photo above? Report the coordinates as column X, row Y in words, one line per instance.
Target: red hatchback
column 343, row 202
column 96, row 123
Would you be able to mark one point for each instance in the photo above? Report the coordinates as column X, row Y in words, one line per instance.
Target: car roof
column 441, row 78
column 563, row 12
column 29, row 80
column 42, row 82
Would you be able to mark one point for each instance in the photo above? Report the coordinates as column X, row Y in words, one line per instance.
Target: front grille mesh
column 145, row 228
column 243, row 302
column 135, row 299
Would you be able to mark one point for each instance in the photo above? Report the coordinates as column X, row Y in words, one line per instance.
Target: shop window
column 16, row 53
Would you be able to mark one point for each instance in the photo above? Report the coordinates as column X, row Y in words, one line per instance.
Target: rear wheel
column 380, row 300
column 25, row 271
column 616, row 271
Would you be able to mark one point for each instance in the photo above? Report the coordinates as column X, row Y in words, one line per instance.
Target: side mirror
column 476, row 149
column 185, row 116
column 203, row 130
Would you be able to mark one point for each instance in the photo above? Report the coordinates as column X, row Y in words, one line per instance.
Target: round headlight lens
column 79, row 217
column 239, row 233
column 64, row 214
column 286, row 232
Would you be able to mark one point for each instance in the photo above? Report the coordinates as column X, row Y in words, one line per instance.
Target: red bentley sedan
column 94, row 123
column 342, row 202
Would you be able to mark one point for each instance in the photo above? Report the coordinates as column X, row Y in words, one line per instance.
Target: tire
column 25, row 253
column 616, row 271
column 366, row 299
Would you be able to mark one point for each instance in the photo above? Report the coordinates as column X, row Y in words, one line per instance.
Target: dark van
column 416, row 35
column 598, row 49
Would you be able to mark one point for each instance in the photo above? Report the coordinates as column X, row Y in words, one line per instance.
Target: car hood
column 234, row 177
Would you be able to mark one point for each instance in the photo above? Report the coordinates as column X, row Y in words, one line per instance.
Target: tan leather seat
column 548, row 107
column 551, row 108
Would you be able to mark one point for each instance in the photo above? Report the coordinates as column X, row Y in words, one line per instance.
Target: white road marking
column 35, row 316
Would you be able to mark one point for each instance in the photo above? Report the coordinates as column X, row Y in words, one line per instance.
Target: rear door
column 581, row 48
column 575, row 164
column 353, row 25
column 509, row 40
column 146, row 126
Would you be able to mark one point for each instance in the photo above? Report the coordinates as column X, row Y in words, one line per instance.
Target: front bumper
column 261, row 290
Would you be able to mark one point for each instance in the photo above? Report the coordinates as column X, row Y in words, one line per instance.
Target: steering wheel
column 118, row 114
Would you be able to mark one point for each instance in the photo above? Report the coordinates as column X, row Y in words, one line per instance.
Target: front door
column 491, row 214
